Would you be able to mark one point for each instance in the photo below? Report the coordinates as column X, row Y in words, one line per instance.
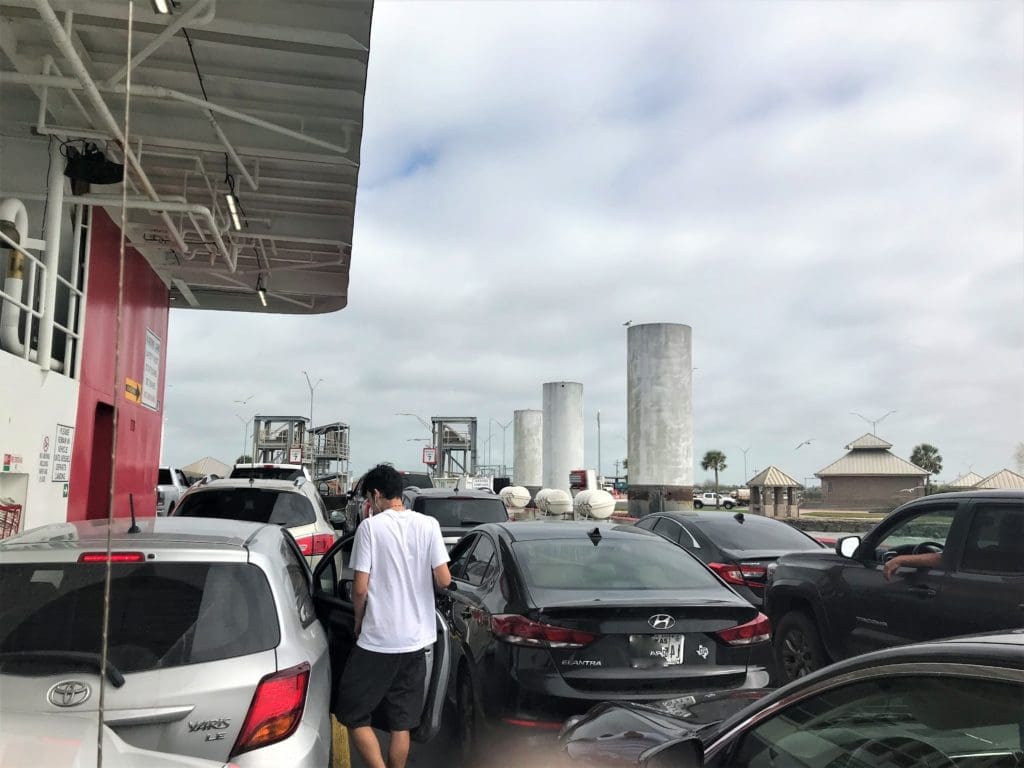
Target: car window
column 460, row 557
column 181, row 478
column 416, row 480
column 647, row 523
column 995, row 541
column 757, row 533
column 250, row 504
column 461, row 512
column 161, row 614
column 634, row 562
column 164, row 477
column 892, row 721
column 931, row 524
column 298, row 578
column 480, row 561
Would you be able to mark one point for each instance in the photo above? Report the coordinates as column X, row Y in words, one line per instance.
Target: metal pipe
column 85, row 82
column 159, row 92
column 13, row 221
column 230, row 149
column 76, row 256
column 192, row 14
column 86, row 257
column 51, row 257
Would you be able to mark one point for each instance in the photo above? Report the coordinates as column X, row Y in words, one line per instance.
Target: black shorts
column 394, row 682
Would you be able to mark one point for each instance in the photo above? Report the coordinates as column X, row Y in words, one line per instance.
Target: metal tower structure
column 454, row 440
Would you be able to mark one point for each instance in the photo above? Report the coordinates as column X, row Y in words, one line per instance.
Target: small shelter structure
column 870, row 477
column 966, row 480
column 773, row 493
column 1004, row 479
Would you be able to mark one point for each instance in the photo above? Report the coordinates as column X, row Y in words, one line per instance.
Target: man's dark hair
column 383, row 478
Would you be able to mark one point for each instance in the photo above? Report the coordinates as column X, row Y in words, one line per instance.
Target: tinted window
column 165, row 477
column 931, row 524
column 478, row 566
column 460, row 557
column 896, row 721
column 995, row 543
column 634, row 562
column 756, row 534
column 462, row 512
column 416, row 480
column 667, row 528
column 266, row 473
column 252, row 505
column 161, row 614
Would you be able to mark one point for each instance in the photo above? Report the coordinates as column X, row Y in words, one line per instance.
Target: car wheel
column 798, row 647
column 468, row 722
column 697, row 504
column 728, row 505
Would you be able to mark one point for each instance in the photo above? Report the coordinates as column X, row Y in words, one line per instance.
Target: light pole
column 421, row 420
column 312, row 388
column 600, row 474
column 245, row 433
column 504, row 428
column 745, row 476
column 873, row 422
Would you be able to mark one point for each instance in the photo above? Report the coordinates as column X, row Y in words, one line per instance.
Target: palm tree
column 926, row 456
column 714, row 460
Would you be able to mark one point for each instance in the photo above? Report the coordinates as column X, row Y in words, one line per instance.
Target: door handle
column 466, row 613
column 923, row 590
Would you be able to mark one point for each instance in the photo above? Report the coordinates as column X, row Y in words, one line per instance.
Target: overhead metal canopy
column 282, row 115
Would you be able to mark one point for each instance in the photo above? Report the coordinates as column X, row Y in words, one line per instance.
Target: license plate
column 656, row 650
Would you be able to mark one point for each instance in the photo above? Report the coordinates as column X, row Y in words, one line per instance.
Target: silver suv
column 215, row 648
column 295, row 505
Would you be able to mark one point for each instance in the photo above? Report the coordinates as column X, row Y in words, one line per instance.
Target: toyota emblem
column 661, row 621
column 69, row 693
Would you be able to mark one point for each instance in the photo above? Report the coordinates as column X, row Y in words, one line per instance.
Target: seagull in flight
column 627, row 324
column 805, row 442
column 243, row 402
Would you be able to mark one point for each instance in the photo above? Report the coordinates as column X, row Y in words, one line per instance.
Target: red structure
column 146, row 308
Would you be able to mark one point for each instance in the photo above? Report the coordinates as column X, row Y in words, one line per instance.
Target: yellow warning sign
column 132, row 390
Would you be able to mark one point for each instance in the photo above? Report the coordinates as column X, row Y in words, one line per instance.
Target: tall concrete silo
column 659, row 401
column 563, row 432
column 528, row 449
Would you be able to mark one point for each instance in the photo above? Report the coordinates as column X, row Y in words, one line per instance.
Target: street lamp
column 245, row 433
column 504, row 427
column 873, row 422
column 745, row 475
column 421, row 420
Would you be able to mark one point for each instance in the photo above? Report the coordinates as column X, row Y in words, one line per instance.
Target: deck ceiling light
column 162, row 6
column 261, row 289
column 236, row 221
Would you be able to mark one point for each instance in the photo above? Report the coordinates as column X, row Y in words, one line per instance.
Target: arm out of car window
column 926, row 560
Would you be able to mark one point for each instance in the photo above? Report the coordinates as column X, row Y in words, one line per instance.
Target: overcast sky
column 831, row 194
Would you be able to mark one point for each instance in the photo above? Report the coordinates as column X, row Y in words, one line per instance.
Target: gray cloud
column 831, row 194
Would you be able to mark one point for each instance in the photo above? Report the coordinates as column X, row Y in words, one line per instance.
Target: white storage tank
column 563, row 432
column 541, row 499
column 515, row 497
column 528, row 448
column 558, row 502
column 595, row 504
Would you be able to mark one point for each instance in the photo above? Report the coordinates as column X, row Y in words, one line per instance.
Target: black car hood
column 620, row 733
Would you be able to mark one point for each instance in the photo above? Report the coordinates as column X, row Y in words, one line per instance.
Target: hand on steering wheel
column 928, row 546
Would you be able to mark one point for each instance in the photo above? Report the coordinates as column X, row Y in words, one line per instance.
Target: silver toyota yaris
column 216, row 648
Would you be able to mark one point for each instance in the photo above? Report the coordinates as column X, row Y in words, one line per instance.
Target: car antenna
column 739, row 517
column 131, row 508
column 595, row 536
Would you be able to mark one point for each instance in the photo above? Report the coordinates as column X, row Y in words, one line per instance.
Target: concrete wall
column 865, row 492
column 563, row 432
column 528, row 448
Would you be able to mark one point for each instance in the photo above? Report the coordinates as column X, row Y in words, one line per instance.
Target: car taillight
column 757, row 631
column 113, row 557
column 316, row 544
column 520, row 630
column 739, row 574
column 276, row 709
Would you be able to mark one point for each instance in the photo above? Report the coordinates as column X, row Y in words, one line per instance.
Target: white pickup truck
column 708, row 499
column 170, row 484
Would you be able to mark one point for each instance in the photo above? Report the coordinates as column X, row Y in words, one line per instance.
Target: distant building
column 968, row 480
column 206, row 466
column 1004, row 479
column 773, row 493
column 870, row 477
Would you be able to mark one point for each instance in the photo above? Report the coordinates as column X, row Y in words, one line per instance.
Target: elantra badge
column 69, row 693
column 661, row 621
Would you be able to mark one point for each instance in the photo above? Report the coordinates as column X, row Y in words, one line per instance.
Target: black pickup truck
column 830, row 605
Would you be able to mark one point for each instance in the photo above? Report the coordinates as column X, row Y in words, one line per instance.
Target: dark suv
column 457, row 511
column 829, row 605
column 355, row 509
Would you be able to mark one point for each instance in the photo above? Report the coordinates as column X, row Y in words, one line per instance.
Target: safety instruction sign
column 62, row 454
column 151, row 372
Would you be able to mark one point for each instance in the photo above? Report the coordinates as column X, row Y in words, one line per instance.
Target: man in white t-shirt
column 398, row 558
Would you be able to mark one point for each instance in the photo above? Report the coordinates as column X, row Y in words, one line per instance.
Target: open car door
column 332, row 595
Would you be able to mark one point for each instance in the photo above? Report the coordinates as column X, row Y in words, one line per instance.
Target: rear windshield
column 251, row 505
column 412, row 480
column 639, row 562
column 732, row 534
column 161, row 614
column 266, row 473
column 462, row 512
column 165, row 477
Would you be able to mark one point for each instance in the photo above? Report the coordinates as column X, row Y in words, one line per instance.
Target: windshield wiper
column 82, row 658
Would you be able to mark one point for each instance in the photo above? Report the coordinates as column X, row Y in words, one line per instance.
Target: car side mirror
column 847, row 546
column 337, row 519
column 686, row 753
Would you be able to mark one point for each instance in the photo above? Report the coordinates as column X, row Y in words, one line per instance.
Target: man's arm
column 442, row 576
column 926, row 560
column 360, row 589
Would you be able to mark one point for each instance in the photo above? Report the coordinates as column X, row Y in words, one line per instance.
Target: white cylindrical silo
column 563, row 432
column 659, row 401
column 528, row 448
